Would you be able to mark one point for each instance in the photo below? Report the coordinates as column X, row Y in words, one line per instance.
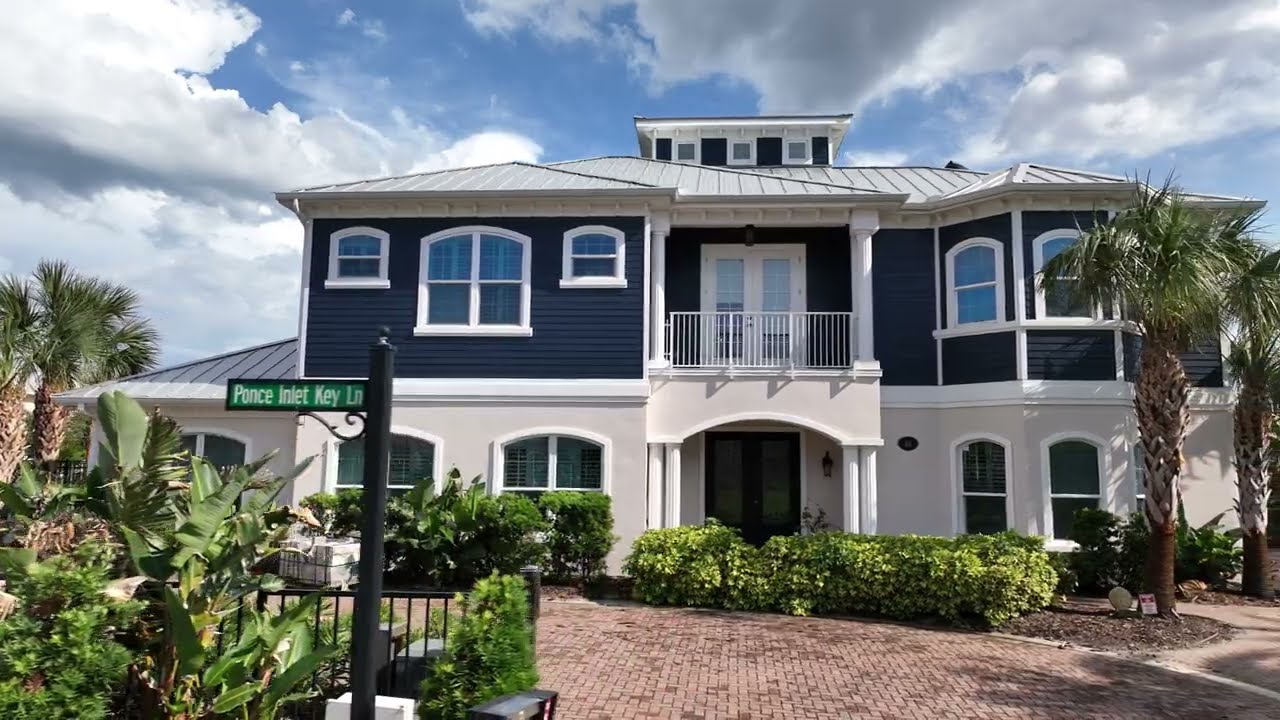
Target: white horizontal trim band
column 1035, row 392
column 490, row 330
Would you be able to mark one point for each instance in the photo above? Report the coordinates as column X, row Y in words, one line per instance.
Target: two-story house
column 724, row 325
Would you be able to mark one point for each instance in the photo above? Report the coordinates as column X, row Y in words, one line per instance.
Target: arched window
column 474, row 281
column 1075, row 482
column 1061, row 302
column 975, row 282
column 594, row 257
column 221, row 451
column 984, row 487
column 358, row 258
column 552, row 462
column 412, row 460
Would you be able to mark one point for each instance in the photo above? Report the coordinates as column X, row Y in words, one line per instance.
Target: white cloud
column 125, row 159
column 347, row 17
column 372, row 29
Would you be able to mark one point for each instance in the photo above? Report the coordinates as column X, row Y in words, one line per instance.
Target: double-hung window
column 474, row 281
column 975, row 287
column 594, row 257
column 358, row 258
column 984, row 487
column 552, row 462
column 1075, row 482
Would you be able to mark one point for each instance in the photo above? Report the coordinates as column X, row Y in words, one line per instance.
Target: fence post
column 533, row 584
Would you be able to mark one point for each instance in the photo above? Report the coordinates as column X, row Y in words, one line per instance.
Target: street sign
column 296, row 395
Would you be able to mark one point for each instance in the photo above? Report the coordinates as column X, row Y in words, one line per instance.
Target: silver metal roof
column 204, row 379
column 510, row 176
column 919, row 183
column 705, row 180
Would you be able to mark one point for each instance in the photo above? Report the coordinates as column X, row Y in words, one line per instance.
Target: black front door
column 753, row 482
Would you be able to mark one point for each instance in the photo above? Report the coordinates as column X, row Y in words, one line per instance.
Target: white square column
column 851, row 512
column 867, row 492
column 659, row 227
column 672, row 490
column 656, row 479
column 862, row 225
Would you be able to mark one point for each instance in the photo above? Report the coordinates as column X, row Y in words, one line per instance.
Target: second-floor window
column 358, row 258
column 594, row 257
column 474, row 281
column 975, row 283
column 1060, row 303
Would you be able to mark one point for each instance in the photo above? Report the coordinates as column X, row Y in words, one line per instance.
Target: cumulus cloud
column 124, row 158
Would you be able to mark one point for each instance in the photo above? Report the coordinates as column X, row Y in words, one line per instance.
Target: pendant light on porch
column 827, row 464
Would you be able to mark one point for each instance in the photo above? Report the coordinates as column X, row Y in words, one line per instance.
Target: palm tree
column 1253, row 307
column 87, row 330
column 17, row 323
column 1166, row 263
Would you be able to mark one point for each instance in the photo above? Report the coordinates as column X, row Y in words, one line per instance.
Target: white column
column 672, row 490
column 656, row 479
column 862, row 225
column 867, row 493
column 851, row 513
column 658, row 229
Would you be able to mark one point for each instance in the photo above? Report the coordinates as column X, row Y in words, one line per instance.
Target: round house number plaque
column 908, row 443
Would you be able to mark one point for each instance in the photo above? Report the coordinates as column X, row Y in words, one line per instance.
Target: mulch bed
column 605, row 588
column 1090, row 623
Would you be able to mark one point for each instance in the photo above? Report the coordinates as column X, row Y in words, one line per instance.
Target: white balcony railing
column 769, row 340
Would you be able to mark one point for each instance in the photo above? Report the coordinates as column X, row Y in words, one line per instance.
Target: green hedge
column 984, row 579
column 579, row 534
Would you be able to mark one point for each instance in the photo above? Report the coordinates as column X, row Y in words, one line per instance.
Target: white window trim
column 473, row 326
column 1137, row 488
column 751, row 158
column 498, row 461
column 697, row 150
column 619, row 278
column 381, row 282
column 1046, row 482
column 957, row 479
column 952, row 305
column 1037, row 254
column 329, row 479
column 808, row 151
column 200, row 431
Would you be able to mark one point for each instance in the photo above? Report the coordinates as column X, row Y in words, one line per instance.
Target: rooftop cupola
column 749, row 141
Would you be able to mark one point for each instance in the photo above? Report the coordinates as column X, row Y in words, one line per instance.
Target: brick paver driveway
column 639, row 662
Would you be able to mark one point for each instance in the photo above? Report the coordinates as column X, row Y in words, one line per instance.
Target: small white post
column 868, row 491
column 673, row 485
column 656, row 479
column 849, row 499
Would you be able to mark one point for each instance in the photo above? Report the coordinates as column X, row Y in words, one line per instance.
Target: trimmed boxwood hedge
column 972, row 579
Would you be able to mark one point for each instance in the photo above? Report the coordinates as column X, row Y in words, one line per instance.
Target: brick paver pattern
column 640, row 662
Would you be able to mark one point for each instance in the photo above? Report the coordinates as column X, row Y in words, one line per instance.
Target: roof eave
column 892, row 200
column 287, row 198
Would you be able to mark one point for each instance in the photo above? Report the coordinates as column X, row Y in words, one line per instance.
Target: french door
column 750, row 297
column 753, row 482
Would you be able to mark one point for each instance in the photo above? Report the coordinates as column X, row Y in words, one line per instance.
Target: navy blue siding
column 996, row 227
column 577, row 333
column 821, row 151
column 1071, row 355
column 662, row 149
column 769, row 151
column 1035, row 224
column 979, row 358
column 1203, row 363
column 715, row 151
column 903, row 287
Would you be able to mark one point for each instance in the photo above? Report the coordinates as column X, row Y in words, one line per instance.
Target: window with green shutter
column 552, row 462
column 412, row 460
column 1074, row 482
column 984, row 487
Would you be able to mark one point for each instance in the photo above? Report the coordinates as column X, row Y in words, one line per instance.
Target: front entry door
column 753, row 482
column 749, row 295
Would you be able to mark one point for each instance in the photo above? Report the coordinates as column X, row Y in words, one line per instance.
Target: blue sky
column 142, row 140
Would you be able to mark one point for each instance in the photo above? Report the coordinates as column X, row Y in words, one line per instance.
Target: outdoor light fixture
column 751, row 235
column 827, row 464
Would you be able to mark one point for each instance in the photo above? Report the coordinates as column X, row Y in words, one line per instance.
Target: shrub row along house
column 726, row 325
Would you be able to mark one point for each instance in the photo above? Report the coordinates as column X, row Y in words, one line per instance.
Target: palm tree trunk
column 50, row 424
column 1160, row 399
column 1252, row 423
column 13, row 430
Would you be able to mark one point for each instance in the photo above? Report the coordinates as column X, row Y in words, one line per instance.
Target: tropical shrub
column 59, row 652
column 579, row 534
column 986, row 579
column 1096, row 564
column 339, row 514
column 489, row 651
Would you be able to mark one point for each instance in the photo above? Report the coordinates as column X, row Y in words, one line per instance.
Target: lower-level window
column 219, row 450
column 552, row 462
column 984, row 487
column 412, row 460
column 1139, row 478
column 1074, row 482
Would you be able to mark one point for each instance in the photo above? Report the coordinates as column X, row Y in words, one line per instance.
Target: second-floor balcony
column 782, row 341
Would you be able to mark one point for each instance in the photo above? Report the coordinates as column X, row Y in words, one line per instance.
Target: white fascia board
column 835, row 121
column 1036, row 392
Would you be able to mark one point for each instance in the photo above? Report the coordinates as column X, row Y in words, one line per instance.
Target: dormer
column 743, row 141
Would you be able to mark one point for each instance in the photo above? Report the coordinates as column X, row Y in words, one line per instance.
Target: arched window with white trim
column 1075, row 481
column 1061, row 303
column 358, row 258
column 975, row 282
column 412, row 460
column 541, row 463
column 474, row 281
column 984, row 488
column 594, row 257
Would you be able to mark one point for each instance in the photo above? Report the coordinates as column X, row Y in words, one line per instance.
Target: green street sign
column 298, row 395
